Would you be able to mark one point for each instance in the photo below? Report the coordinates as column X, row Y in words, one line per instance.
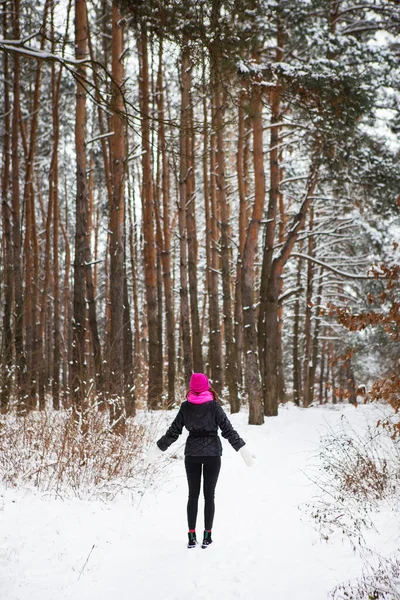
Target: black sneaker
column 192, row 543
column 206, row 539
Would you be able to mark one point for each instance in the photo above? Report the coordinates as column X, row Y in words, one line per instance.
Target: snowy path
column 262, row 547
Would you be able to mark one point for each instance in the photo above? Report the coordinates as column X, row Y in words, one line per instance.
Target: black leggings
column 211, row 467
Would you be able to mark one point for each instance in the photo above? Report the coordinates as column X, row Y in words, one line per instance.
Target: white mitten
column 153, row 453
column 247, row 456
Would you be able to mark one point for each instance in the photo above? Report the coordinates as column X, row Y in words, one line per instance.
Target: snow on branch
column 329, row 268
column 19, row 46
column 72, row 65
column 99, row 137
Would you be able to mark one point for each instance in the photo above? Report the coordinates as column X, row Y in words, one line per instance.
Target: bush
column 46, row 450
column 358, row 475
column 379, row 582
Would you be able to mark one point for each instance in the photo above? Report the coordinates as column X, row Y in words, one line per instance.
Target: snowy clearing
column 264, row 547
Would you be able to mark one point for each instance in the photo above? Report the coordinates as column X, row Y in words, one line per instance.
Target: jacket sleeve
column 173, row 432
column 227, row 430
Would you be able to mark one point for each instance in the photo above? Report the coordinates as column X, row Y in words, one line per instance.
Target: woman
column 201, row 414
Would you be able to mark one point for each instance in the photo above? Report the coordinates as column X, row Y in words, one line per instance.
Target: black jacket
column 202, row 422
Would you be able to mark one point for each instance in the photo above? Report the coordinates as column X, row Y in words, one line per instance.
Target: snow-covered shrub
column 356, row 474
column 357, row 465
column 46, row 450
column 378, row 582
column 359, row 475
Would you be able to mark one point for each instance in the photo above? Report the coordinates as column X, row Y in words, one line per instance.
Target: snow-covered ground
column 53, row 549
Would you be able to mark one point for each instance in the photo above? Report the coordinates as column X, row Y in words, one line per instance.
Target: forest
column 208, row 191
column 207, row 186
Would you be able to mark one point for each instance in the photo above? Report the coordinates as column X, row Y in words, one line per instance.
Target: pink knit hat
column 199, row 383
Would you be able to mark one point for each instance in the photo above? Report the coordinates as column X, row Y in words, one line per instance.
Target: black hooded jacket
column 202, row 422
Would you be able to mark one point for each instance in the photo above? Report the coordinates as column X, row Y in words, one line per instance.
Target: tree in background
column 230, row 181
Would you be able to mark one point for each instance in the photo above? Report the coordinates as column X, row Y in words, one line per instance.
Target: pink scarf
column 201, row 398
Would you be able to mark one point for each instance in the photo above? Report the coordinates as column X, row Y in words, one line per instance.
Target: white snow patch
column 90, row 550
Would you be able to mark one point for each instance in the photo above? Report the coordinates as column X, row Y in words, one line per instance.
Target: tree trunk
column 31, row 258
column 215, row 341
column 20, row 362
column 183, row 200
column 281, row 239
column 271, row 350
column 150, row 258
column 102, row 124
column 150, row 267
column 242, row 174
column 68, row 329
column 322, row 372
column 91, row 295
column 192, row 235
column 332, row 369
column 166, row 234
column 78, row 367
column 350, row 381
column 44, row 357
column 117, row 219
column 263, row 331
column 58, row 358
column 6, row 349
column 315, row 342
column 55, row 97
column 270, row 300
column 129, row 380
column 226, row 255
column 252, row 370
column 307, row 321
column 274, row 198
column 297, row 387
column 133, row 247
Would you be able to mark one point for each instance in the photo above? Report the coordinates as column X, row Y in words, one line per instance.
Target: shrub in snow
column 378, row 582
column 46, row 450
column 358, row 476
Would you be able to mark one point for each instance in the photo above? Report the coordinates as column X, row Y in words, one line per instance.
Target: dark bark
column 215, row 343
column 281, row 239
column 44, row 303
column 55, row 96
column 332, row 373
column 68, row 329
column 322, row 373
column 297, row 380
column 183, row 200
column 31, row 252
column 129, row 380
column 133, row 247
column 270, row 227
column 78, row 367
column 20, row 362
column 252, row 368
column 307, row 321
column 117, row 220
column 272, row 295
column 350, row 382
column 226, row 255
column 242, row 174
column 192, row 239
column 274, row 198
column 150, row 269
column 6, row 349
column 166, row 249
column 91, row 296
